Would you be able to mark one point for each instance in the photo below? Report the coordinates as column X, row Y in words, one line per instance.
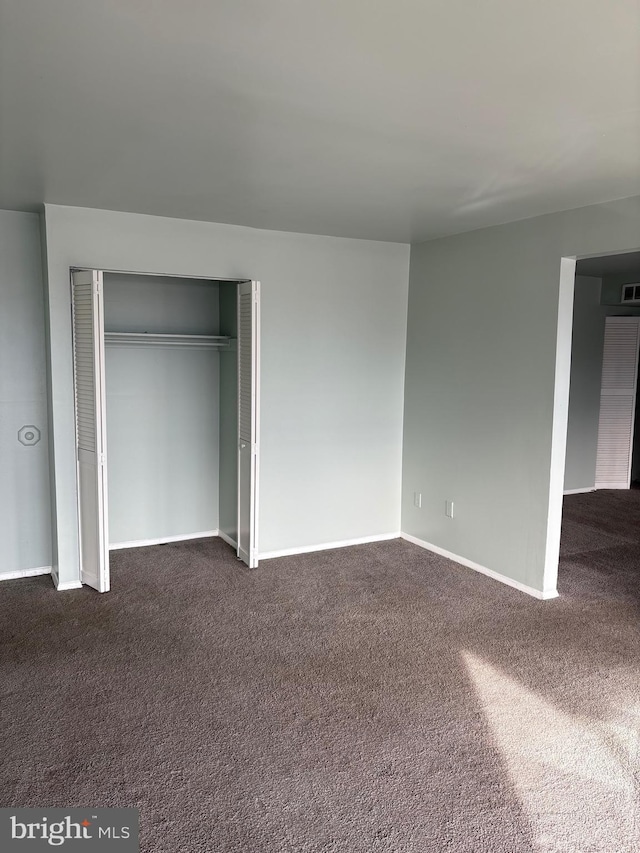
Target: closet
column 167, row 412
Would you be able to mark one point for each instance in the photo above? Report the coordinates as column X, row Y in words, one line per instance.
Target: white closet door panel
column 615, row 439
column 245, row 364
column 88, row 358
column 620, row 355
column 244, row 505
column 617, row 402
column 248, row 427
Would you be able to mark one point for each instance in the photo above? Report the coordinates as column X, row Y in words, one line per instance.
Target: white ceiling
column 395, row 119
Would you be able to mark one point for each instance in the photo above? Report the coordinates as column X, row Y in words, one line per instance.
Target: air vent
column 630, row 294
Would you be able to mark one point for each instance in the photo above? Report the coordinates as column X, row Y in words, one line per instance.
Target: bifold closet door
column 248, row 426
column 617, row 402
column 89, row 373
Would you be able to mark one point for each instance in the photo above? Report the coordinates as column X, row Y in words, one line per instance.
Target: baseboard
column 141, row 543
column 579, row 491
column 63, row 585
column 618, row 486
column 227, row 539
column 25, row 573
column 325, row 546
column 428, row 546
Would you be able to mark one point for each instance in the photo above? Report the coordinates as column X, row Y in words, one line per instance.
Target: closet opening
column 167, row 413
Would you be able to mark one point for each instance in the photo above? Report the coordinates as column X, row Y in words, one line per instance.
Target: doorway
column 167, row 388
column 604, row 375
column 576, row 413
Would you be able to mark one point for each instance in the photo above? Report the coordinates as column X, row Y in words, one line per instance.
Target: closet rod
column 160, row 339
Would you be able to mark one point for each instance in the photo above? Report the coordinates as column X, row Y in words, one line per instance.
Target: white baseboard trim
column 228, row 539
column 579, row 491
column 25, row 573
column 325, row 546
column 141, row 543
column 61, row 586
column 428, row 546
column 68, row 585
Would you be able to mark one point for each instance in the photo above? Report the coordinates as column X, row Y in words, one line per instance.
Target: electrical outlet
column 417, row 499
column 448, row 509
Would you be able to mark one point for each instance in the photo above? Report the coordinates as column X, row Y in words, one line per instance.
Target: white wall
column 487, row 385
column 25, row 528
column 163, row 410
column 333, row 352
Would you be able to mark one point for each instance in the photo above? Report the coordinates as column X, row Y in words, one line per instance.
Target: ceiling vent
column 630, row 294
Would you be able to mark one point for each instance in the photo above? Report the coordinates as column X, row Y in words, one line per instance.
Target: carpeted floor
column 376, row 698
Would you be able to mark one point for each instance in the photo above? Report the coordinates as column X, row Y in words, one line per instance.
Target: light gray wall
column 25, row 527
column 162, row 410
column 586, row 370
column 584, row 393
column 229, row 412
column 148, row 303
column 612, row 286
column 333, row 352
column 489, row 330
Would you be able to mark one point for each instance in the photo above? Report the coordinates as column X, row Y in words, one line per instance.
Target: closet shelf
column 161, row 339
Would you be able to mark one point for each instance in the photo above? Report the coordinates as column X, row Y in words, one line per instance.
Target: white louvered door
column 248, row 425
column 88, row 357
column 617, row 402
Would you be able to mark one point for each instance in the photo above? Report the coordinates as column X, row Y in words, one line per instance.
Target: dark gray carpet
column 376, row 698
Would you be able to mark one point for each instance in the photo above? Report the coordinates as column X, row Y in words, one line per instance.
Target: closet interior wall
column 165, row 410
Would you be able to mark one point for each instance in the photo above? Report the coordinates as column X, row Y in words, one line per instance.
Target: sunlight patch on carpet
column 575, row 777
